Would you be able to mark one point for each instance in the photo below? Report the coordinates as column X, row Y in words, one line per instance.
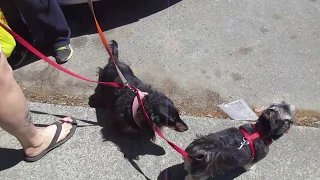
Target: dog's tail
column 114, row 50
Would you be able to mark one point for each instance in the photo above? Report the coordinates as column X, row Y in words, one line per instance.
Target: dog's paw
column 98, row 71
column 153, row 139
column 250, row 167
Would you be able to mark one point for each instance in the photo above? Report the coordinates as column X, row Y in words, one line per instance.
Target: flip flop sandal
column 54, row 143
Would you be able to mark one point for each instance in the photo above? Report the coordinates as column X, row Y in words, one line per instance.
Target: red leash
column 113, row 84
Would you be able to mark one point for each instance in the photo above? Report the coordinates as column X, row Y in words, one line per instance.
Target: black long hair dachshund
column 121, row 101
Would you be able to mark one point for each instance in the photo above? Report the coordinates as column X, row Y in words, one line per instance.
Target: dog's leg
column 129, row 130
column 188, row 177
column 203, row 178
column 115, row 127
column 187, row 164
column 187, row 168
column 249, row 167
column 114, row 49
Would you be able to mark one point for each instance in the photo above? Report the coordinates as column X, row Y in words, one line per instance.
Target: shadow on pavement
column 91, row 123
column 132, row 146
column 10, row 157
column 177, row 172
column 110, row 14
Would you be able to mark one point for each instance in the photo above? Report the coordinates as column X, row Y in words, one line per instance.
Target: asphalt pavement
column 200, row 53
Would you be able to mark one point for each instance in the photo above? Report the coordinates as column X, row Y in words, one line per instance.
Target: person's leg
column 15, row 117
column 15, row 22
column 48, row 24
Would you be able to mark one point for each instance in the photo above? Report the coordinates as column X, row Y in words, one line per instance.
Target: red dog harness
column 249, row 138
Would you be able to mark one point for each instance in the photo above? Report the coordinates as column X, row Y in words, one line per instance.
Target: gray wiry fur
column 218, row 153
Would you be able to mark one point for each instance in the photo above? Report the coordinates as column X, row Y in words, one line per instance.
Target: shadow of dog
column 132, row 146
column 177, row 172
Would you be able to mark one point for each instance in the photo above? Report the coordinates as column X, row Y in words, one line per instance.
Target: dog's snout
column 186, row 128
column 181, row 127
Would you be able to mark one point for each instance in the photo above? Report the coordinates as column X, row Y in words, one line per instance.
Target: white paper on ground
column 239, row 110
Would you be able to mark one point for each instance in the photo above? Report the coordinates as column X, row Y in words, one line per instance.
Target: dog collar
column 135, row 106
column 248, row 140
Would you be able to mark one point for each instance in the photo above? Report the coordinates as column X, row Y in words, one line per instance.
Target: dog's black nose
column 181, row 127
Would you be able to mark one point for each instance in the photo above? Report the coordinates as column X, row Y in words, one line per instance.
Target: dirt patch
column 47, row 95
column 195, row 102
column 307, row 118
column 206, row 106
column 245, row 50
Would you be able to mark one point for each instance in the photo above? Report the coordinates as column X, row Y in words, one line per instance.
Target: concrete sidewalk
column 88, row 156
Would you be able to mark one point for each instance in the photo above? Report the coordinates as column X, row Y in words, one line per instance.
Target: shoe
column 18, row 55
column 63, row 54
column 54, row 143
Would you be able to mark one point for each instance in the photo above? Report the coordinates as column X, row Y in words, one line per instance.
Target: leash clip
column 244, row 142
column 126, row 84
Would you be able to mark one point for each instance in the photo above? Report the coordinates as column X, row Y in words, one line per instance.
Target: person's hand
column 5, row 68
column 1, row 54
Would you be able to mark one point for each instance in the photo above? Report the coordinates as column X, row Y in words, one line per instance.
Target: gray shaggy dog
column 220, row 152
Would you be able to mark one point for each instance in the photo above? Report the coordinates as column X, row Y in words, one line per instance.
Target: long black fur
column 218, row 152
column 160, row 108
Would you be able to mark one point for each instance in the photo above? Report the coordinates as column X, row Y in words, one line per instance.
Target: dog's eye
column 288, row 121
column 280, row 122
column 200, row 156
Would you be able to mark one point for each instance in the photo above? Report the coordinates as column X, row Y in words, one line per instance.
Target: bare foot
column 46, row 136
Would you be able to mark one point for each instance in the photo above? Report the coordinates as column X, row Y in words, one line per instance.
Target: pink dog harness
column 135, row 106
